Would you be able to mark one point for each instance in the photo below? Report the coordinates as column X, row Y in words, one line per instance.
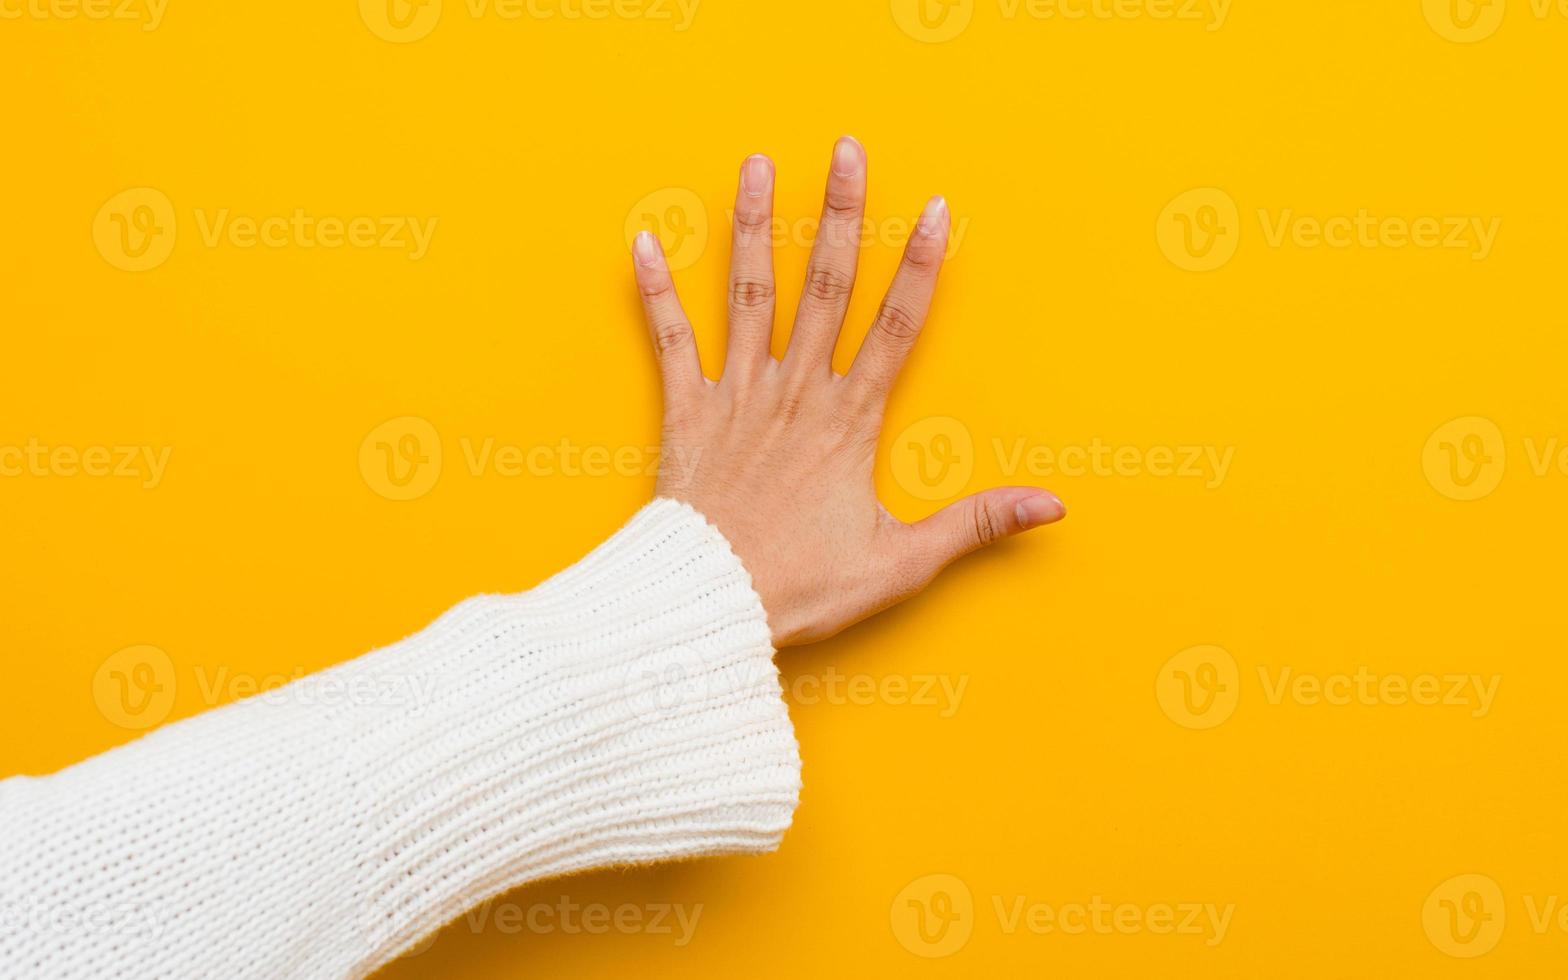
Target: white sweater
column 625, row 711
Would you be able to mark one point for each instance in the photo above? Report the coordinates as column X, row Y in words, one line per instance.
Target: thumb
column 985, row 518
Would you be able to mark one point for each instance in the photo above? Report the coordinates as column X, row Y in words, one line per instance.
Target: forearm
column 627, row 710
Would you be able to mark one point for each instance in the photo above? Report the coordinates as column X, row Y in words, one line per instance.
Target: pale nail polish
column 934, row 218
column 1043, row 508
column 646, row 249
column 846, row 157
column 756, row 175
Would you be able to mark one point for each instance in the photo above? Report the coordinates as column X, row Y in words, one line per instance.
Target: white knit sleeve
column 627, row 710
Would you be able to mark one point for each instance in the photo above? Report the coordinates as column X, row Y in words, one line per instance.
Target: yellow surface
column 1171, row 232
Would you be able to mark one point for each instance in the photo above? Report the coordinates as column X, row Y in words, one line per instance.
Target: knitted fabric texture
column 625, row 711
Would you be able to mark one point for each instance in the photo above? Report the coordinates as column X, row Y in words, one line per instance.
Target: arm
column 627, row 710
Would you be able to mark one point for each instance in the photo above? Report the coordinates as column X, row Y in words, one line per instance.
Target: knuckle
column 842, row 205
column 896, row 326
column 656, row 290
column 751, row 222
column 986, row 527
column 747, row 295
column 840, row 226
column 828, row 284
column 844, row 422
column 791, row 406
column 923, row 259
column 671, row 336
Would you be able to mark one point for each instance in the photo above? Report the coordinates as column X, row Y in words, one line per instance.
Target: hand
column 779, row 455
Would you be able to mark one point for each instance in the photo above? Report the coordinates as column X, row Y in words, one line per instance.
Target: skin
column 784, row 450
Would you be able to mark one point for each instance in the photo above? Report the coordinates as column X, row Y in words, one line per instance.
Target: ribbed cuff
column 628, row 710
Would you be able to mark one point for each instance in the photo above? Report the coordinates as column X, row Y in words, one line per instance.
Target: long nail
column 646, row 249
column 933, row 220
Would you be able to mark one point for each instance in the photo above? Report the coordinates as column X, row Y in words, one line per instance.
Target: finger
column 751, row 268
column 673, row 342
column 830, row 274
column 904, row 310
column 982, row 519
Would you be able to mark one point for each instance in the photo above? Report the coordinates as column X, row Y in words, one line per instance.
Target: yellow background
column 1332, row 543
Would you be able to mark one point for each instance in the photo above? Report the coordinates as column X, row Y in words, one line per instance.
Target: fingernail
column 646, row 249
column 756, row 175
column 847, row 156
column 934, row 218
column 1043, row 508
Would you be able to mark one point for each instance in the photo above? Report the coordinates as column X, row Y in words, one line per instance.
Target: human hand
column 780, row 453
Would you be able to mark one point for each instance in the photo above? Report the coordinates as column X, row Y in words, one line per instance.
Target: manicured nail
column 756, row 175
column 1043, row 508
column 934, row 218
column 646, row 249
column 847, row 157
